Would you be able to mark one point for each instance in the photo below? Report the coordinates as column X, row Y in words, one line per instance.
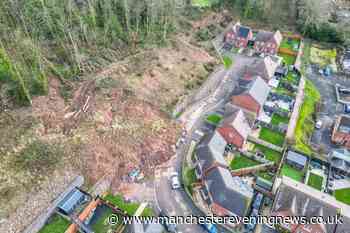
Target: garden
column 270, row 154
column 129, row 207
column 271, row 136
column 290, row 43
column 305, row 123
column 278, row 119
column 287, row 59
column 323, row 57
column 214, row 119
column 292, row 172
column 315, row 181
column 241, row 161
column 343, row 195
column 56, row 224
column 266, row 175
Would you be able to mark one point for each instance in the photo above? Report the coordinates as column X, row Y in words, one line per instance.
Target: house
column 339, row 159
column 235, row 129
column 226, row 195
column 296, row 160
column 209, row 154
column 341, row 131
column 251, row 96
column 239, row 36
column 264, row 68
column 268, row 42
column 298, row 199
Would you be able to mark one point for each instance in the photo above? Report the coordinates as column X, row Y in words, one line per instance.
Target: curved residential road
column 176, row 202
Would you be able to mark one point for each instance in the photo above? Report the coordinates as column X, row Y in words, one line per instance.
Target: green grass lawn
column 343, row 195
column 315, row 181
column 214, row 119
column 271, row 136
column 288, row 59
column 271, row 155
column 293, row 173
column 305, row 123
column 290, row 44
column 227, row 62
column 130, row 208
column 277, row 119
column 190, row 178
column 242, row 162
column 56, row 224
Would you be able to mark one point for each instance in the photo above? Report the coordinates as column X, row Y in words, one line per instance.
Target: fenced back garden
column 343, row 195
column 241, row 161
column 315, row 181
column 56, row 224
column 271, row 136
column 290, row 171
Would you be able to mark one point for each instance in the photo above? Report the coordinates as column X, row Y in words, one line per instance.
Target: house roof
column 71, row 200
column 340, row 158
column 228, row 191
column 211, row 150
column 259, row 90
column 297, row 158
column 268, row 36
column 264, row 68
column 294, row 198
column 238, row 121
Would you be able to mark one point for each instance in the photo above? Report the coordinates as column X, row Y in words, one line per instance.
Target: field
column 291, row 172
column 277, row 119
column 242, row 162
column 305, row 123
column 324, row 57
column 343, row 195
column 56, row 224
column 270, row 136
column 315, row 181
column 271, row 155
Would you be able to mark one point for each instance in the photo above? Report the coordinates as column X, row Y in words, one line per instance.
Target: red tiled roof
column 231, row 136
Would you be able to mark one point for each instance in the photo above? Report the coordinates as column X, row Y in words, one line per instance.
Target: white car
column 174, row 179
column 318, row 124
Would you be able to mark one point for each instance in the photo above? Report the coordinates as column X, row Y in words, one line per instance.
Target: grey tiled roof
column 211, row 150
column 301, row 204
column 228, row 191
column 259, row 90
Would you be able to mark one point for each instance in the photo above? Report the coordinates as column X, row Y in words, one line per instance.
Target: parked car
column 172, row 228
column 174, row 179
column 318, row 124
column 346, row 108
column 211, row 228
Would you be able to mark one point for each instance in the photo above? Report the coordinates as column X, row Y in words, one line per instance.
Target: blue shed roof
column 71, row 200
column 296, row 158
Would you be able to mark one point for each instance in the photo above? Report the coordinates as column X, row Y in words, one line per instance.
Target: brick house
column 251, row 96
column 264, row 68
column 235, row 129
column 239, row 36
column 341, row 131
column 268, row 42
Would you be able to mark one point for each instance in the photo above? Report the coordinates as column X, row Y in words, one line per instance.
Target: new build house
column 238, row 35
column 264, row 68
column 251, row 96
column 268, row 42
column 235, row 129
